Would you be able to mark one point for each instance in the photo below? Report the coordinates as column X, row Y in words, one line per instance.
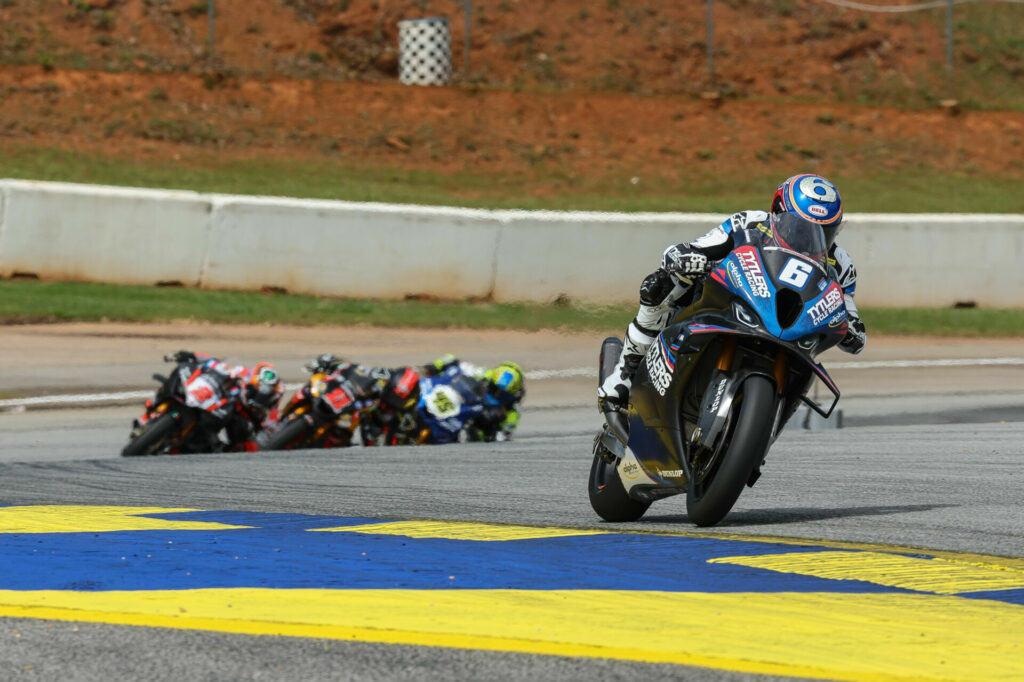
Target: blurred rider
column 250, row 397
column 261, row 392
column 501, row 390
column 671, row 286
column 385, row 396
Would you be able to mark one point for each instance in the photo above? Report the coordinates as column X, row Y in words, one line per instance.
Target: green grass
column 31, row 301
column 969, row 322
column 920, row 191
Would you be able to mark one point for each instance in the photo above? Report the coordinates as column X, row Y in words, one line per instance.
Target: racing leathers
column 668, row 288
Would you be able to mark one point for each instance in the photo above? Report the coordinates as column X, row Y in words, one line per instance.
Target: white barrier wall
column 363, row 250
column 937, row 260
column 103, row 234
column 594, row 257
column 349, row 249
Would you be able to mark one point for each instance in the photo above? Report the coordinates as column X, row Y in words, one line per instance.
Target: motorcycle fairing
column 635, row 478
column 460, row 404
column 653, row 416
column 759, row 276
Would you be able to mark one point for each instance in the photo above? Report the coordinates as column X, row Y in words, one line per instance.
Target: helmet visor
column 792, row 232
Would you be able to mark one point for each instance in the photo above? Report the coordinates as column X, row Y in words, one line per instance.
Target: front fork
column 722, row 387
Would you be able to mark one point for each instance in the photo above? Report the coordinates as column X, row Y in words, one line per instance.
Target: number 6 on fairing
column 795, row 273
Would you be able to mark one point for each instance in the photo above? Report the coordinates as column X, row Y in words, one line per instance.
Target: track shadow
column 777, row 517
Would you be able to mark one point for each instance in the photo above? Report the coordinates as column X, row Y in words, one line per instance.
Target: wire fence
column 873, row 7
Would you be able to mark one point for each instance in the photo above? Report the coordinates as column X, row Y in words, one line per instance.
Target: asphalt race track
column 888, row 550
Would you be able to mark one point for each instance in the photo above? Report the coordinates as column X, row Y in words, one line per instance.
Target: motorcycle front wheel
column 288, row 436
column 152, row 439
column 708, row 501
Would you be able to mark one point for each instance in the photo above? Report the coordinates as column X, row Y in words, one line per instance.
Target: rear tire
column 708, row 504
column 608, row 496
column 152, row 439
column 288, row 436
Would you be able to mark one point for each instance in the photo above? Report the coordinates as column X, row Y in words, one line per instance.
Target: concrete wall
column 350, row 249
column 105, row 234
column 363, row 250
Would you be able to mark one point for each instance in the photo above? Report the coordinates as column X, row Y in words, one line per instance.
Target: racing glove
column 180, row 356
column 684, row 262
column 856, row 336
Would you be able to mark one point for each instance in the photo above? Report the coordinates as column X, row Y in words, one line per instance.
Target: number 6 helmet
column 813, row 198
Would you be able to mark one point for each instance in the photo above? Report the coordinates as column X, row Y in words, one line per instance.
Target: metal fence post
column 710, row 45
column 211, row 11
column 949, row 48
column 469, row 16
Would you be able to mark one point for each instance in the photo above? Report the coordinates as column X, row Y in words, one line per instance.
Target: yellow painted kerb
column 941, row 576
column 819, row 635
column 85, row 519
column 459, row 530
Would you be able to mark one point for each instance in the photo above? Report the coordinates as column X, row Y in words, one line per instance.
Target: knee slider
column 656, row 287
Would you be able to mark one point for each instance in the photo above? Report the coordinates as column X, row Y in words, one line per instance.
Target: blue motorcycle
column 720, row 382
column 450, row 404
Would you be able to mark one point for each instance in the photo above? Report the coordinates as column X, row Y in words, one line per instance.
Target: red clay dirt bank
column 578, row 88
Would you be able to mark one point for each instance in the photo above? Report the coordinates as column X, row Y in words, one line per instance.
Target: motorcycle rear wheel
column 608, row 496
column 288, row 436
column 152, row 438
column 707, row 504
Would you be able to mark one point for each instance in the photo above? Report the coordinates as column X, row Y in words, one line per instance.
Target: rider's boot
column 658, row 296
column 613, row 394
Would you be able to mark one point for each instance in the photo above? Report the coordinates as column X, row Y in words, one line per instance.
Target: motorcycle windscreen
column 792, row 232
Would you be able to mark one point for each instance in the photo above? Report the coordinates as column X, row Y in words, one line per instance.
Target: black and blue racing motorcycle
column 720, row 382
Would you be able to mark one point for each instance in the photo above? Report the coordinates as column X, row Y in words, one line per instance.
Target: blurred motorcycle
column 394, row 421
column 322, row 414
column 188, row 411
column 450, row 405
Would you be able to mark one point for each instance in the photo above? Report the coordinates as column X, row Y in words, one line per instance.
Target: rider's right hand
column 679, row 261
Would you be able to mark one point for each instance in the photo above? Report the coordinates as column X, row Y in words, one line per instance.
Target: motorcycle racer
column 809, row 196
column 501, row 390
column 386, row 396
column 250, row 398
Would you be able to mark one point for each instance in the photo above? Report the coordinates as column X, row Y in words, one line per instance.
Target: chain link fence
column 890, row 7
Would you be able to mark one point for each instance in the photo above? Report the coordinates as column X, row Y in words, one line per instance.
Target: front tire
column 709, row 502
column 289, row 436
column 608, row 496
column 152, row 439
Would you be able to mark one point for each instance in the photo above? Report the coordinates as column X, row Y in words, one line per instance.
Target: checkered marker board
column 425, row 49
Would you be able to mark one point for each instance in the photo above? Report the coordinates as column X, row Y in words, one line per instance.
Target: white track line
column 19, row 404
column 958, row 362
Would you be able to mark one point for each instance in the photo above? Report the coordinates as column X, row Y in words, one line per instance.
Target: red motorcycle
column 188, row 411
